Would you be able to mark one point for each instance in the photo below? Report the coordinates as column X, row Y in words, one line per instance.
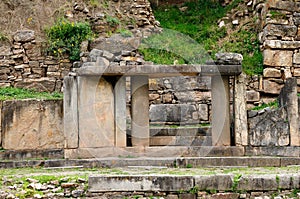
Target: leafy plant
column 65, row 37
column 125, row 32
column 236, row 180
column 273, row 104
column 112, row 21
column 3, row 37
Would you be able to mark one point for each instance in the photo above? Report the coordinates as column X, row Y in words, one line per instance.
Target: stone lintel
column 154, row 71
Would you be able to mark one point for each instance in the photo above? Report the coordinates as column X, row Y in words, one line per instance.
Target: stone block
column 140, row 183
column 96, row 112
column 278, row 44
column 296, row 58
column 32, row 124
column 296, row 72
column 70, row 112
column 216, row 182
column 271, row 72
column 280, row 31
column 252, row 96
column 278, row 58
column 225, row 196
column 271, row 87
column 269, row 129
column 171, row 112
column 286, row 151
column 258, row 183
column 203, row 112
column 41, row 84
column 24, row 36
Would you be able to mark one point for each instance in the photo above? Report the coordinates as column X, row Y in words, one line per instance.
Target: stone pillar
column 120, row 112
column 96, row 112
column 240, row 111
column 289, row 100
column 140, row 110
column 220, row 111
column 70, row 112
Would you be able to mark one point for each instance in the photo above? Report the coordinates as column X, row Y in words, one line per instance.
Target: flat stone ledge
column 140, row 183
column 31, row 154
column 170, row 162
column 220, row 182
column 154, row 71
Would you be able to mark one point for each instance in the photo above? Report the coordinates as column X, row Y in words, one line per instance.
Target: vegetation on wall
column 65, row 37
column 199, row 20
column 10, row 93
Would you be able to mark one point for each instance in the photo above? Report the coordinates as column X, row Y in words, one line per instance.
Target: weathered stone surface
column 225, row 196
column 285, row 5
column 296, row 58
column 240, row 114
column 116, row 44
column 280, row 30
column 278, row 44
column 170, row 112
column 189, row 96
column 271, row 87
column 288, row 99
column 24, row 36
column 296, row 72
column 269, row 129
column 203, row 112
column 140, row 183
column 218, row 182
column 94, row 54
column 252, row 96
column 96, row 112
column 273, row 151
column 42, row 84
column 258, row 183
column 32, row 124
column 229, row 58
column 271, row 72
column 70, row 112
column 278, row 58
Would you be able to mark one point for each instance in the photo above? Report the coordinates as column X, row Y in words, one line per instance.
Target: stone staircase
column 179, row 136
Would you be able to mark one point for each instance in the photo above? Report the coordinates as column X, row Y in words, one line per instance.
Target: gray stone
column 280, row 30
column 258, row 183
column 240, row 114
column 229, row 58
column 170, row 112
column 225, row 196
column 288, row 99
column 203, row 112
column 24, row 36
column 273, row 151
column 108, row 55
column 94, row 54
column 140, row 183
column 278, row 44
column 217, row 182
column 102, row 62
column 70, row 112
column 96, row 112
column 269, row 129
column 116, row 44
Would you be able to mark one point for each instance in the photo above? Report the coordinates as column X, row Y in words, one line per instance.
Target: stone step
column 181, row 162
column 180, row 141
column 175, row 183
column 178, row 131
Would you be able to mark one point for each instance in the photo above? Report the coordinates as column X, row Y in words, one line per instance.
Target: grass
column 10, row 93
column 273, row 104
column 196, row 32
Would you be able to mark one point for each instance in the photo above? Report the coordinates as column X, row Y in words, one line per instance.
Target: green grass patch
column 10, row 93
column 196, row 32
column 273, row 104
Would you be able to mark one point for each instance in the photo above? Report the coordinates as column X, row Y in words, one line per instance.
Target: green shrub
column 65, row 37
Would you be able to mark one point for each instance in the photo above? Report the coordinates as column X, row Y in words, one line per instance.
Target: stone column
column 240, row 111
column 140, row 110
column 120, row 112
column 220, row 111
column 71, row 112
column 289, row 100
